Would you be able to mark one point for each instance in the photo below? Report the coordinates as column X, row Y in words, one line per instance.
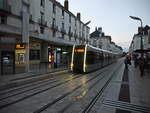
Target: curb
column 30, row 79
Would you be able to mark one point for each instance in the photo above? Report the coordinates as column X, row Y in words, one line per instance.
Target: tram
column 86, row 58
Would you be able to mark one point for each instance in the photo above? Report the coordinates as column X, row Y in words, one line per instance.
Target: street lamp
column 139, row 19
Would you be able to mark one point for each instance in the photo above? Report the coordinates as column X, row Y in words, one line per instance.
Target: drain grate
column 122, row 111
column 124, row 93
column 125, row 76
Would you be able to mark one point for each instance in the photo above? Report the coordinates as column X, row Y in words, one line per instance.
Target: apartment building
column 100, row 40
column 35, row 31
column 141, row 39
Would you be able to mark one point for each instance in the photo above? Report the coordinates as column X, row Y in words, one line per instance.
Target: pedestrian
column 141, row 65
column 135, row 58
column 129, row 59
column 126, row 62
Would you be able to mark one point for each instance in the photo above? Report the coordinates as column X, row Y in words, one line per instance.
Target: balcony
column 5, row 8
column 63, row 31
column 75, row 35
column 42, row 22
column 54, row 27
column 70, row 33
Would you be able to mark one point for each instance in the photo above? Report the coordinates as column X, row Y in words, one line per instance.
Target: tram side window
column 90, row 57
column 101, row 56
column 97, row 57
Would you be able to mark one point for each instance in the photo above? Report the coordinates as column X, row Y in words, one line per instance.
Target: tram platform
column 128, row 92
column 10, row 81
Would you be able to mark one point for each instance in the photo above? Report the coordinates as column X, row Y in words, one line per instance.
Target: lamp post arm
column 141, row 23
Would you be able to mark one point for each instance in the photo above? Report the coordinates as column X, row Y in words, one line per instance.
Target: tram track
column 39, row 85
column 54, row 86
column 3, row 92
column 68, row 93
column 80, row 96
column 100, row 92
column 35, row 93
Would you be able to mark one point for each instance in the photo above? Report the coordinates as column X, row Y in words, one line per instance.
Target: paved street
column 112, row 89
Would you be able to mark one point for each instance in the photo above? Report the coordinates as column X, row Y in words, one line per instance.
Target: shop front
column 57, row 56
column 20, row 58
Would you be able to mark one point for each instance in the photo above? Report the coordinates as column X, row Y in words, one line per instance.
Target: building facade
column 100, row 40
column 35, row 31
column 136, row 43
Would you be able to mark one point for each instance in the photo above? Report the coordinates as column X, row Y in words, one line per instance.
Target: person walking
column 127, row 61
column 135, row 61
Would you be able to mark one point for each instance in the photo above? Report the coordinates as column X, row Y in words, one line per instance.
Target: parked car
column 6, row 60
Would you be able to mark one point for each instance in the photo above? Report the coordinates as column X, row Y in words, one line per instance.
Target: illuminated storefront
column 20, row 58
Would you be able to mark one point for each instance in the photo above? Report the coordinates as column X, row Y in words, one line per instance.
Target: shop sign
column 20, row 46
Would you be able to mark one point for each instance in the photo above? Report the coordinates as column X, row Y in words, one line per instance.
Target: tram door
column 7, row 62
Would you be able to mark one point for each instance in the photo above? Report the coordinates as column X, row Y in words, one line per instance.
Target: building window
column 62, row 12
column 54, row 33
column 62, row 26
column 42, row 30
column 42, row 16
column 69, row 38
column 75, row 38
column 69, row 18
column 54, row 22
column 149, row 36
column 4, row 19
column 34, row 54
column 54, row 8
column 70, row 31
column 42, row 3
column 75, row 23
column 63, row 35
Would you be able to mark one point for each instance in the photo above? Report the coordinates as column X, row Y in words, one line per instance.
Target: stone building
column 136, row 43
column 35, row 31
column 100, row 40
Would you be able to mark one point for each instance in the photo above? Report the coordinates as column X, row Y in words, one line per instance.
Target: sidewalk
column 127, row 93
column 10, row 81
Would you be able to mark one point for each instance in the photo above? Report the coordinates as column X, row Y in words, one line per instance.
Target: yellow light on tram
column 71, row 65
column 79, row 50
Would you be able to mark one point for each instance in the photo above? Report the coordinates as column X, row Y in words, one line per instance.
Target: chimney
column 78, row 16
column 66, row 4
column 100, row 29
column 95, row 28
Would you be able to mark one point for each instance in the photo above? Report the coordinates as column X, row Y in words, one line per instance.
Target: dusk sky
column 113, row 16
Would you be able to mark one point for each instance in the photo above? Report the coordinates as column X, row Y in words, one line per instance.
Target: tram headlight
column 71, row 65
column 85, row 66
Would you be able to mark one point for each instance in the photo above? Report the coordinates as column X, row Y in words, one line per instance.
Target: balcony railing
column 75, row 35
column 70, row 33
column 54, row 27
column 4, row 6
column 42, row 22
column 63, row 30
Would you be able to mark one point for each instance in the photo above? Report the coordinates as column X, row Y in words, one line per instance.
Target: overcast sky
column 113, row 16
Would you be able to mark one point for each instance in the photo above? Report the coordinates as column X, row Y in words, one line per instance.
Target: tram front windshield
column 78, row 58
